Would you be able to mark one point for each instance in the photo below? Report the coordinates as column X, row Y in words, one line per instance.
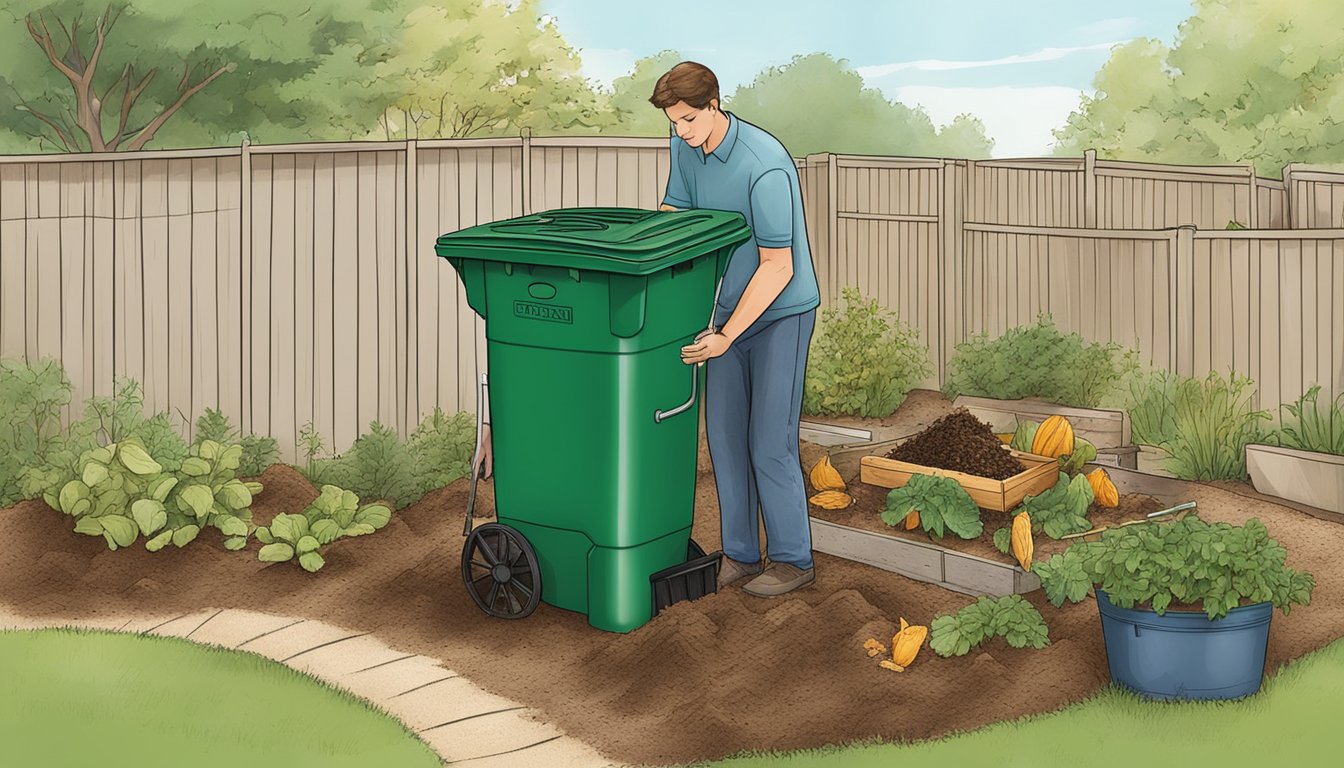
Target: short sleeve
column 772, row 210
column 678, row 196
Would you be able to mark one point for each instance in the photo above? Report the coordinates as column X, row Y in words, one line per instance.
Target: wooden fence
column 288, row 284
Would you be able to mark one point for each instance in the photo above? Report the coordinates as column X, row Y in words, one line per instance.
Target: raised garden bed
column 1307, row 477
column 997, row 495
column 1101, row 427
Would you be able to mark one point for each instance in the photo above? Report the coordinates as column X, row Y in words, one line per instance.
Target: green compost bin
column 585, row 312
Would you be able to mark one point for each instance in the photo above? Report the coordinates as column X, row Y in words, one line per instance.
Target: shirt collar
column 725, row 147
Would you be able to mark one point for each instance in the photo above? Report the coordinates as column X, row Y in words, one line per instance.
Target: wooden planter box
column 1000, row 495
column 1307, row 477
column 1100, row 427
column 923, row 561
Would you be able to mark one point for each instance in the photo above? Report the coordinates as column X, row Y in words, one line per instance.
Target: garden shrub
column 258, row 452
column 863, row 361
column 31, row 399
column 1151, row 405
column 1313, row 426
column 442, row 448
column 1203, row 424
column 1038, row 361
column 334, row 514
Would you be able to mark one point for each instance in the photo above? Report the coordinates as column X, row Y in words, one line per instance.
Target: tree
column 1256, row 81
column 818, row 104
column 76, row 81
column 481, row 69
column 630, row 96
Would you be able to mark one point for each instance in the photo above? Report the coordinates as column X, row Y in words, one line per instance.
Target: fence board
column 284, row 311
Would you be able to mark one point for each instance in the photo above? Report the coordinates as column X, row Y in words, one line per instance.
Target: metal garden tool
column 1180, row 511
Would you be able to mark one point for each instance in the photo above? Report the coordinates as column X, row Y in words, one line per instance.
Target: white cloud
column 1018, row 118
column 606, row 64
column 941, row 65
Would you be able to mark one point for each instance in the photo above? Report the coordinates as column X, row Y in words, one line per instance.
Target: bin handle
column 476, row 457
column 660, row 414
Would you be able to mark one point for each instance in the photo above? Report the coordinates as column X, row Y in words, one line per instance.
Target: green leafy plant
column 210, row 494
column 863, row 361
column 1038, row 361
column 333, row 515
column 311, row 443
column 1151, row 405
column 378, row 466
column 121, row 492
column 1010, row 617
column 1061, row 509
column 1311, row 426
column 258, row 452
column 442, row 447
column 31, row 400
column 941, row 503
column 1188, row 561
column 1213, row 421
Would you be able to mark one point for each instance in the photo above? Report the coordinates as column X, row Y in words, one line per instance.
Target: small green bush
column 1151, row 405
column 1312, row 426
column 1212, row 422
column 1010, row 617
column 1038, row 361
column 334, row 514
column 258, row 452
column 31, row 399
column 442, row 447
column 863, row 361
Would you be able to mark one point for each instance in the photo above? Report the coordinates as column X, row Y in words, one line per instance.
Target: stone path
column 463, row 723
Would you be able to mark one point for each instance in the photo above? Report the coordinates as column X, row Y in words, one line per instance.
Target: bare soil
column 961, row 443
column 703, row 680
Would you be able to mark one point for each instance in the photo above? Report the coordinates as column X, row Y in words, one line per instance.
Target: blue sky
column 1019, row 65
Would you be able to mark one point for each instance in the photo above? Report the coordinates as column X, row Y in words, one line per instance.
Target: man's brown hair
column 689, row 82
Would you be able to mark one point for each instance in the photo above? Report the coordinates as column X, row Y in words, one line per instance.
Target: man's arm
column 771, row 278
column 772, row 226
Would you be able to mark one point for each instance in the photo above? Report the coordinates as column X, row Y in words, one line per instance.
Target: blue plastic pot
column 1183, row 655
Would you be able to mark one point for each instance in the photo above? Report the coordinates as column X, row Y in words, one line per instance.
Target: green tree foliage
column 480, row 69
column 1257, row 81
column 167, row 75
column 630, row 96
column 816, row 103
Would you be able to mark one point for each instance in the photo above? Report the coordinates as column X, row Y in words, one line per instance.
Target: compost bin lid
column 625, row 240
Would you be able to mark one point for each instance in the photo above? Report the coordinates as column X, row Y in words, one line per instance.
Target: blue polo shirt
column 751, row 173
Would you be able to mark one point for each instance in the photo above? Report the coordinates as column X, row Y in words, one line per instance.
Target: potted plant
column 1035, row 372
column 1306, row 461
column 1185, row 605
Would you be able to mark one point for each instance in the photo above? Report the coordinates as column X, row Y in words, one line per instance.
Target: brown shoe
column 731, row 571
column 778, row 579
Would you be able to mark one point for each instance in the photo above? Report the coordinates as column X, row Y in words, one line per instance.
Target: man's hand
column 707, row 344
column 486, row 457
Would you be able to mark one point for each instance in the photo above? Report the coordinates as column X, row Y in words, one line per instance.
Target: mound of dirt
column 962, row 443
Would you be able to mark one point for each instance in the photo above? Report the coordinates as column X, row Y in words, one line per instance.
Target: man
column 763, row 323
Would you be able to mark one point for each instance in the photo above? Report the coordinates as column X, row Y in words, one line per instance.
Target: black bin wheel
column 500, row 571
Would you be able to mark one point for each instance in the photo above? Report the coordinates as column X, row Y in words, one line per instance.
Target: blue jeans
column 753, row 400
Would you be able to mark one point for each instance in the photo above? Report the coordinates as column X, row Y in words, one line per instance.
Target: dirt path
column 704, row 680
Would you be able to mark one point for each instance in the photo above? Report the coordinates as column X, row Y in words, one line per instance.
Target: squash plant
column 941, row 503
column 333, row 515
column 1186, row 561
column 1010, row 617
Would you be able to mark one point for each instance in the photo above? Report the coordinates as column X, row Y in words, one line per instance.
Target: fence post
column 1090, row 189
column 952, row 219
column 1183, row 301
column 1253, row 219
column 245, row 294
column 832, row 226
column 408, row 340
column 527, row 171
column 1289, row 208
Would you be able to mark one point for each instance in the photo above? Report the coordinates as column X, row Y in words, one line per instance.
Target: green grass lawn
column 1293, row 721
column 101, row 699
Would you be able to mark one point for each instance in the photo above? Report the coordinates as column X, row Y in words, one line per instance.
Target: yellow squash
column 1054, row 438
column 1021, row 538
column 832, row 500
column 1103, row 488
column 912, row 520
column 825, row 477
column 905, row 647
